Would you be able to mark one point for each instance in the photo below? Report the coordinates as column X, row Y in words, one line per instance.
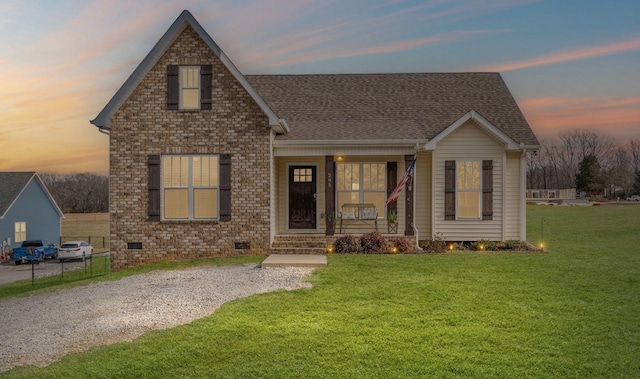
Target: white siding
column 465, row 144
column 512, row 197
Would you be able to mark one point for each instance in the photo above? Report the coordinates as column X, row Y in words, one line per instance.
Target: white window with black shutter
column 190, row 187
column 189, row 87
column 468, row 190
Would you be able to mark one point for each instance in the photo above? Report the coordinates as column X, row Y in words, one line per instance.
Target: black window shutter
column 153, row 164
column 487, row 190
column 450, row 190
column 392, row 182
column 225, row 187
column 206, row 78
column 173, row 90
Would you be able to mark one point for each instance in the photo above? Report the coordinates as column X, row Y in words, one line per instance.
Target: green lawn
column 573, row 312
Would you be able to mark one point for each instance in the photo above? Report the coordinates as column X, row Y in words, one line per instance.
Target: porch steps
column 301, row 244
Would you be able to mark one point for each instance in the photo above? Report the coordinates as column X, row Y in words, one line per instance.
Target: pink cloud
column 618, row 117
column 566, row 56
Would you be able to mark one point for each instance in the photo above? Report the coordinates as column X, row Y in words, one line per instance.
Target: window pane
column 378, row 199
column 20, row 231
column 205, row 203
column 176, row 171
column 366, row 176
column 469, row 205
column 191, row 98
column 382, row 176
column 345, row 197
column 468, row 174
column 190, row 77
column 476, row 175
column 205, row 171
column 176, row 203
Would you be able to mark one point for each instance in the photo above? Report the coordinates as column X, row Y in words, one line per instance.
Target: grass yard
column 90, row 227
column 573, row 312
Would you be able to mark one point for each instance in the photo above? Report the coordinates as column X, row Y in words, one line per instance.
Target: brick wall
column 142, row 126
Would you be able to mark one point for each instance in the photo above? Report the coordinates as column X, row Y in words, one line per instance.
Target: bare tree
column 79, row 193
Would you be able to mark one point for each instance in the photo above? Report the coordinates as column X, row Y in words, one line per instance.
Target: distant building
column 550, row 194
column 27, row 210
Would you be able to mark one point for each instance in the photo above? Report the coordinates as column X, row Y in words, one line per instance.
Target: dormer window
column 189, row 87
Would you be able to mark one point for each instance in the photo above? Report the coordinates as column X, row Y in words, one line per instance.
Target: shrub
column 402, row 243
column 516, row 245
column 436, row 244
column 373, row 243
column 484, row 245
column 347, row 245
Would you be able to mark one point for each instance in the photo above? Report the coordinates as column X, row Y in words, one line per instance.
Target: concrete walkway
column 295, row 260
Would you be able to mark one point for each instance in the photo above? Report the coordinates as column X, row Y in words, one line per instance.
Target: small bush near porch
column 569, row 313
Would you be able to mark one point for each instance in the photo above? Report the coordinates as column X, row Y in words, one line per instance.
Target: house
column 27, row 210
column 206, row 161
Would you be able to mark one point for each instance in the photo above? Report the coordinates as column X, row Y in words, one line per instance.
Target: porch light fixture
column 340, row 158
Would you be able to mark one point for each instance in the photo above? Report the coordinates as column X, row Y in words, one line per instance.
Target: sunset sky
column 570, row 64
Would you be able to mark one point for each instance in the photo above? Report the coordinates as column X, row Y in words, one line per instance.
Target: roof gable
column 13, row 184
column 378, row 107
column 481, row 123
column 103, row 120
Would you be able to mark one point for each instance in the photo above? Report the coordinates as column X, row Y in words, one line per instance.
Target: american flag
column 396, row 192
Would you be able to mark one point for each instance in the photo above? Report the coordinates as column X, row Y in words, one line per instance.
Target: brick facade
column 143, row 126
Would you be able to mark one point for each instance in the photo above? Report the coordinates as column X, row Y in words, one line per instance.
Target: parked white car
column 633, row 198
column 75, row 250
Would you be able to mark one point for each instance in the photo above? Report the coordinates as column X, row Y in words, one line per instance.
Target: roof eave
column 346, row 143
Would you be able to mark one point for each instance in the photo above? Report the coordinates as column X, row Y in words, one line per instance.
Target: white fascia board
column 358, row 143
column 485, row 125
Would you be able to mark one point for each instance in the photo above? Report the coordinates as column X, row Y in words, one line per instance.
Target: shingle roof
column 11, row 184
column 388, row 106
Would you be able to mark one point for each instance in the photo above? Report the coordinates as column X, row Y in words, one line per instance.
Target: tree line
column 78, row 193
column 588, row 161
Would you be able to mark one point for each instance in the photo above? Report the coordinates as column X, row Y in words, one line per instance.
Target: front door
column 302, row 197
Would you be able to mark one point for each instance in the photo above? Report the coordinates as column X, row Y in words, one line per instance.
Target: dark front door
column 302, row 197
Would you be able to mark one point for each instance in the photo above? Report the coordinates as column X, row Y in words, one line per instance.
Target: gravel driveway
column 41, row 329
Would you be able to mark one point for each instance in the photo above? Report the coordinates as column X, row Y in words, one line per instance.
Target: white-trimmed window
column 190, row 187
column 190, row 87
column 362, row 183
column 469, row 190
column 20, row 231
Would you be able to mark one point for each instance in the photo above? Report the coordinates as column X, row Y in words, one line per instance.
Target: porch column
column 408, row 225
column 330, row 195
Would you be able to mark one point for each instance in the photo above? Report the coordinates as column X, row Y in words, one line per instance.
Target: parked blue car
column 35, row 251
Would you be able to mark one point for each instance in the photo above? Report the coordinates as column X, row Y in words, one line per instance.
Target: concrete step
column 298, row 250
column 291, row 260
